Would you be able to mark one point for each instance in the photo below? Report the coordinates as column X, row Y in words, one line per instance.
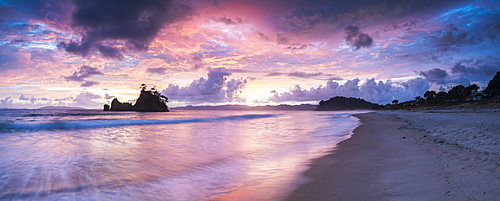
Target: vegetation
column 493, row 88
column 457, row 95
column 343, row 103
column 148, row 101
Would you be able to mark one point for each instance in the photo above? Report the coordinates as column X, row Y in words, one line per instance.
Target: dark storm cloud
column 110, row 52
column 435, row 75
column 82, row 73
column 135, row 23
column 331, row 15
column 356, row 38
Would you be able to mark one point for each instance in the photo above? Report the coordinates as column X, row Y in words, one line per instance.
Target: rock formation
column 148, row 101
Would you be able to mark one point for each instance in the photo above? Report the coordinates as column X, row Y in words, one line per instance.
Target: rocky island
column 148, row 101
column 343, row 103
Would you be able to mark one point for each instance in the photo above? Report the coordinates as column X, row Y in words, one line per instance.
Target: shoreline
column 390, row 158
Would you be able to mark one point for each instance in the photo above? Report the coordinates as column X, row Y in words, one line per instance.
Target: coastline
column 393, row 157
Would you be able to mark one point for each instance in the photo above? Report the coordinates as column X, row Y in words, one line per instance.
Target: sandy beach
column 417, row 155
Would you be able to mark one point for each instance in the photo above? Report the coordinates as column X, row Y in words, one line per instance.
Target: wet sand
column 393, row 156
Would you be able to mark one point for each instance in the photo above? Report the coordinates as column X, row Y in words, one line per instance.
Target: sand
column 431, row 155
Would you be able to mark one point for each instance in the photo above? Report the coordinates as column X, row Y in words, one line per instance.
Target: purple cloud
column 159, row 70
column 89, row 83
column 84, row 72
column 282, row 39
column 229, row 21
column 86, row 99
column 301, row 74
column 370, row 90
column 215, row 88
column 356, row 38
column 435, row 75
column 105, row 25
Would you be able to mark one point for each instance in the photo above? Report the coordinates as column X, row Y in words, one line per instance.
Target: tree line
column 457, row 94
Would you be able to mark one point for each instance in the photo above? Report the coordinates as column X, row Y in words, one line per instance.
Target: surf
column 100, row 123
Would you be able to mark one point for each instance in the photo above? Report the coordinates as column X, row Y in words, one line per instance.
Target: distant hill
column 245, row 107
column 343, row 103
column 60, row 108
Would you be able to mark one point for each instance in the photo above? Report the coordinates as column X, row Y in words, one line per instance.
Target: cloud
column 198, row 62
column 262, row 36
column 282, row 39
column 407, row 25
column 215, row 88
column 378, row 92
column 106, row 26
column 300, row 74
column 159, row 70
column 356, row 38
column 481, row 68
column 84, row 72
column 450, row 36
column 297, row 46
column 229, row 21
column 11, row 58
column 87, row 100
column 435, row 75
column 107, row 96
column 54, row 12
column 32, row 100
column 493, row 29
column 110, row 52
column 319, row 16
column 6, row 101
column 89, row 83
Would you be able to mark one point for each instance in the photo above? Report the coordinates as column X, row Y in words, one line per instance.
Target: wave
column 99, row 123
column 68, row 114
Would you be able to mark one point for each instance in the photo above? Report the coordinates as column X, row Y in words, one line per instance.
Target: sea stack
column 148, row 101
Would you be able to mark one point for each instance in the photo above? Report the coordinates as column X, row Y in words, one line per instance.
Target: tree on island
column 148, row 101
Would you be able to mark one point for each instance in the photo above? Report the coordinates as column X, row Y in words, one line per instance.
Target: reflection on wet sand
column 248, row 159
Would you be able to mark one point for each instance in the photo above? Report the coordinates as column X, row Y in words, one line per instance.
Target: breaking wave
column 99, row 123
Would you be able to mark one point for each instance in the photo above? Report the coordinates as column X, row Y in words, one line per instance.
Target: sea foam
column 99, row 123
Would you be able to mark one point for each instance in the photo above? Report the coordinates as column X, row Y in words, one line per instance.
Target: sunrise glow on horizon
column 86, row 52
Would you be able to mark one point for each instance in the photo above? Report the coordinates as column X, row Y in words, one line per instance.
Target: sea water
column 178, row 155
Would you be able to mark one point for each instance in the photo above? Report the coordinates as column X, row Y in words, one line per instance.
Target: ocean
column 177, row 155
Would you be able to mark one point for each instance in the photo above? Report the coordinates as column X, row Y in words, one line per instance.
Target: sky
column 262, row 52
